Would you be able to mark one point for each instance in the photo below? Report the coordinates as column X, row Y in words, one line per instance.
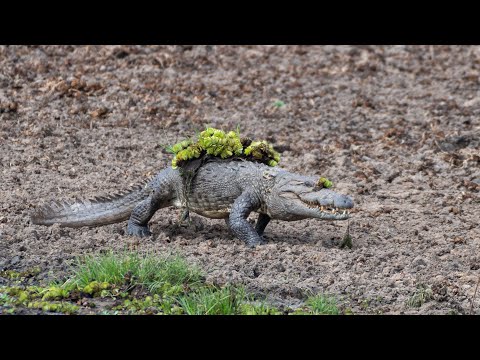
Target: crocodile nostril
column 349, row 202
column 344, row 202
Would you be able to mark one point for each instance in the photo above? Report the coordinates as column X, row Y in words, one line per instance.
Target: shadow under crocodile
column 199, row 229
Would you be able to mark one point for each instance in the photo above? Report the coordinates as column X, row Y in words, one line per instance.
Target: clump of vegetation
column 54, row 292
column 324, row 183
column 319, row 304
column 421, row 296
column 258, row 309
column 213, row 301
column 323, row 305
column 36, row 297
column 347, row 239
column 149, row 305
column 263, row 152
column 19, row 275
column 96, row 288
column 346, row 242
column 159, row 274
column 216, row 143
column 61, row 307
column 134, row 283
column 174, row 286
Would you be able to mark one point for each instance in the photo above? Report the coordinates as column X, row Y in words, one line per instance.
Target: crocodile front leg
column 262, row 222
column 241, row 228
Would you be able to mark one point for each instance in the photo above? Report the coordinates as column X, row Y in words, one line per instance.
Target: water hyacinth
column 324, row 182
column 215, row 142
column 262, row 150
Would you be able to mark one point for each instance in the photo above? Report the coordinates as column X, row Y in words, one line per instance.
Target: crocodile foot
column 253, row 244
column 137, row 230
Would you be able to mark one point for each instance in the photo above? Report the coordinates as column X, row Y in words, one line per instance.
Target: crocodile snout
column 344, row 202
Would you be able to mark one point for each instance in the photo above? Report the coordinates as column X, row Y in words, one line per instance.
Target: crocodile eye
column 289, row 195
column 296, row 183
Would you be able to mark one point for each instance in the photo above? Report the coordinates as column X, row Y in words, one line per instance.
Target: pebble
column 397, row 277
column 309, row 159
column 419, row 261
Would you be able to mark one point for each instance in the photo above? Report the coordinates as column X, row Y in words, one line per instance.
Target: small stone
column 458, row 240
column 469, row 279
column 397, row 277
column 102, row 111
column 309, row 159
column 455, row 210
column 15, row 260
column 419, row 261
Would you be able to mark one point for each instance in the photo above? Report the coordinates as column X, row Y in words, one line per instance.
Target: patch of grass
column 346, row 242
column 159, row 274
column 365, row 303
column 258, row 309
column 278, row 104
column 347, row 239
column 322, row 305
column 421, row 296
column 213, row 301
column 228, row 300
column 137, row 283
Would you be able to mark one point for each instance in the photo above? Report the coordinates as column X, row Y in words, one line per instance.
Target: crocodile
column 221, row 189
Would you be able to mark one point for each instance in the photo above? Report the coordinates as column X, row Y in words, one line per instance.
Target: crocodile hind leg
column 141, row 215
column 241, row 228
column 161, row 191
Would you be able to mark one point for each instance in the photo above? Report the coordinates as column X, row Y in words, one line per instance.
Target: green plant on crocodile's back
column 217, row 143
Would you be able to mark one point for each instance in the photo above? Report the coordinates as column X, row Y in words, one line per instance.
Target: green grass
column 134, row 283
column 213, row 301
column 228, row 300
column 322, row 305
column 159, row 274
column 421, row 296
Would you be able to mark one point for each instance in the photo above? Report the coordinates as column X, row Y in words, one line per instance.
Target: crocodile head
column 296, row 197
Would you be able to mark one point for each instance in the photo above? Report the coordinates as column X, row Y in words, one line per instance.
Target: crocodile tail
column 101, row 210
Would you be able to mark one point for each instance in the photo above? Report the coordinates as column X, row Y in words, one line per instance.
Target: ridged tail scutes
column 101, row 210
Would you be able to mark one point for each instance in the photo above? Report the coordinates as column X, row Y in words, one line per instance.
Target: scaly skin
column 229, row 189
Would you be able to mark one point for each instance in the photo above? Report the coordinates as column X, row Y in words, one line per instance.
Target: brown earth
column 396, row 127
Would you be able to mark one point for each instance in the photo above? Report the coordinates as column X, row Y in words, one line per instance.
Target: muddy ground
column 396, row 127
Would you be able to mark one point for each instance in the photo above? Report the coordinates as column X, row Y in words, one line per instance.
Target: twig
column 474, row 295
